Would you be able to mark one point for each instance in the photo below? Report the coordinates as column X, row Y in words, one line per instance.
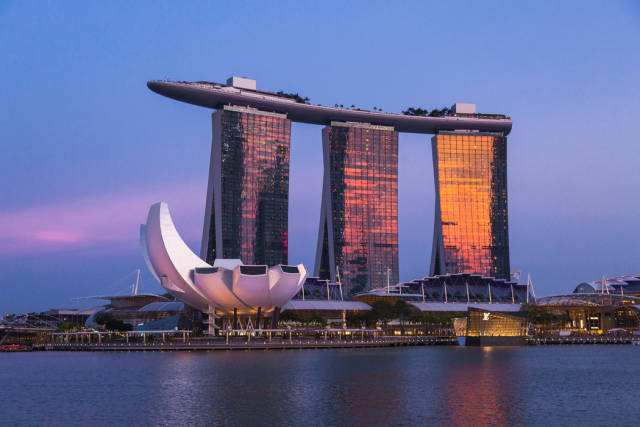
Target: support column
column 258, row 317
column 211, row 321
column 235, row 318
column 275, row 318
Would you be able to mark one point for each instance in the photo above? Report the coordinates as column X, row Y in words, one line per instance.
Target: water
column 573, row 385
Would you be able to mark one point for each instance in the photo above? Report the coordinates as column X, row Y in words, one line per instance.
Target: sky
column 86, row 148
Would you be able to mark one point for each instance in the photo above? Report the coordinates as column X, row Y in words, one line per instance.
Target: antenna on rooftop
column 339, row 282
column 388, row 284
column 530, row 289
column 466, row 286
column 134, row 286
column 603, row 284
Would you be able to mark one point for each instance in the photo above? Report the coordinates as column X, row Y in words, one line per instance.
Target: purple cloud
column 103, row 220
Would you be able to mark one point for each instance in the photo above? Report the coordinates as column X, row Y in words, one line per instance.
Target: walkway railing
column 238, row 343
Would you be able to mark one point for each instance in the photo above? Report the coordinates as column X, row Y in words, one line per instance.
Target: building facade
column 358, row 233
column 471, row 229
column 247, row 207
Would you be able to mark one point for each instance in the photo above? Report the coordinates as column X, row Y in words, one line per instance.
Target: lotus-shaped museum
column 227, row 286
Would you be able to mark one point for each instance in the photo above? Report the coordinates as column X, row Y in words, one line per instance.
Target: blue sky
column 86, row 147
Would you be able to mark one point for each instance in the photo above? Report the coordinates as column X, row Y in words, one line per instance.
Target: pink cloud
column 57, row 236
column 102, row 220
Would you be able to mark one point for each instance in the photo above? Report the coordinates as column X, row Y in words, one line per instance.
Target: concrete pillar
column 235, row 318
column 258, row 317
column 275, row 317
column 211, row 321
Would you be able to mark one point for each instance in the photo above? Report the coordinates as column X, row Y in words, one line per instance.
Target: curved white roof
column 227, row 286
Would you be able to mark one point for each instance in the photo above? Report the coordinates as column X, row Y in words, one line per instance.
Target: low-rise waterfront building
column 587, row 313
column 453, row 288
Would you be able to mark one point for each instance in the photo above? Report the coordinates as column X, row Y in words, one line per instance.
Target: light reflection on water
column 392, row 386
column 477, row 388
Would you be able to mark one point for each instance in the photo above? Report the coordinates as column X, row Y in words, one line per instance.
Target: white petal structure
column 285, row 281
column 216, row 283
column 226, row 286
column 145, row 251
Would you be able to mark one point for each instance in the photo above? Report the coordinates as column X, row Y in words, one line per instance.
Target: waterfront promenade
column 241, row 344
column 581, row 339
column 307, row 343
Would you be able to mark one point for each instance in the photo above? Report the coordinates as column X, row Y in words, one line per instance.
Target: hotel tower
column 246, row 212
column 358, row 234
column 471, row 231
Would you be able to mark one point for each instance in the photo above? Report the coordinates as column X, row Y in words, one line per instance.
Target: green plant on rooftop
column 295, row 96
column 411, row 111
column 441, row 113
column 417, row 111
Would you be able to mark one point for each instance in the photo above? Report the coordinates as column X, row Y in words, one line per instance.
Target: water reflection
column 477, row 388
column 399, row 386
column 374, row 387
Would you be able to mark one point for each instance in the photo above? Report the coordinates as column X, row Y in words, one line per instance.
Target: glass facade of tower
column 359, row 215
column 471, row 230
column 247, row 201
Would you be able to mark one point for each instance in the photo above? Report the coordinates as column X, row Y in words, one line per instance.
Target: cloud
column 57, row 236
column 103, row 220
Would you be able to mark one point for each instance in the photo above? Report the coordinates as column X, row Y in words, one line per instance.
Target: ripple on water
column 591, row 385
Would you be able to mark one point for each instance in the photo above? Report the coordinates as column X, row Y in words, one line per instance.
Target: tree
column 440, row 113
column 289, row 316
column 295, row 96
column 413, row 111
column 110, row 323
column 361, row 318
column 402, row 310
column 68, row 326
column 383, row 310
column 317, row 320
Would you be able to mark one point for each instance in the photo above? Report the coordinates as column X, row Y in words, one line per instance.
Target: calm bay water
column 573, row 385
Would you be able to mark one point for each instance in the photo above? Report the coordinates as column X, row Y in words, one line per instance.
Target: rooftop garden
column 416, row 111
column 295, row 96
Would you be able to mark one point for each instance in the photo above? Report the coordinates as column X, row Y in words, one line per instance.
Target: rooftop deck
column 215, row 95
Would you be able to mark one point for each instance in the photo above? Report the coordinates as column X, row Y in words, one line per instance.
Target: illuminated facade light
column 247, row 207
column 358, row 234
column 471, row 231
